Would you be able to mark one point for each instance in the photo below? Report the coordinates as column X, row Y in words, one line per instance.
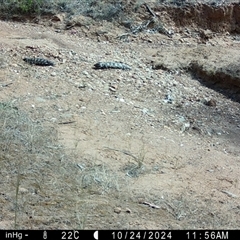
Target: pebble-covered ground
column 148, row 148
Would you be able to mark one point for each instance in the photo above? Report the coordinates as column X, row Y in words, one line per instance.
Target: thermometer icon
column 45, row 235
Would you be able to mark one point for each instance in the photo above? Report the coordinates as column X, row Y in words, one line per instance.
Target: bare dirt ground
column 149, row 148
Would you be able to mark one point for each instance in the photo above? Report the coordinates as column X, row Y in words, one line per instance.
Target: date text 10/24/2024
column 177, row 234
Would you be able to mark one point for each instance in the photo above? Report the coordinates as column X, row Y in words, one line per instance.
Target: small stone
column 210, row 103
column 128, row 210
column 168, row 99
column 85, row 73
column 23, row 190
column 117, row 210
column 113, row 88
column 58, row 18
column 53, row 74
column 206, row 34
column 80, row 85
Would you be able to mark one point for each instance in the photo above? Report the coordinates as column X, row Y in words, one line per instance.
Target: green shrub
column 97, row 9
column 28, row 6
column 25, row 7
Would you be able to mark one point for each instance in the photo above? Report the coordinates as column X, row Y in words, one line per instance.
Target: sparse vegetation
column 35, row 168
column 26, row 7
column 27, row 150
column 98, row 10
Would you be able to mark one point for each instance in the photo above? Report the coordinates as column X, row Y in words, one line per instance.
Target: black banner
column 120, row 234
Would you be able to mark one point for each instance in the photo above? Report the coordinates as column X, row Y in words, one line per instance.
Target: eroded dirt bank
column 216, row 17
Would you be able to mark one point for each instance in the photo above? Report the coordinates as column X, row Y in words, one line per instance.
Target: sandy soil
column 151, row 133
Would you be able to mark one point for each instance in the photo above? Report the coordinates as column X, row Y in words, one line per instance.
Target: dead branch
column 6, row 84
column 150, row 10
column 122, row 151
column 68, row 122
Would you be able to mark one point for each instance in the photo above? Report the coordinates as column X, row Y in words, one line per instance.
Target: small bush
column 25, row 7
column 105, row 11
column 98, row 10
column 22, row 136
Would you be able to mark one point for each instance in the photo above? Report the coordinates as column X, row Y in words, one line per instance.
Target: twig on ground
column 150, row 10
column 6, row 84
column 229, row 194
column 123, row 151
column 68, row 122
column 150, row 205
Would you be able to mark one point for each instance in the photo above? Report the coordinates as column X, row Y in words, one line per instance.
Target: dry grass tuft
column 40, row 185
